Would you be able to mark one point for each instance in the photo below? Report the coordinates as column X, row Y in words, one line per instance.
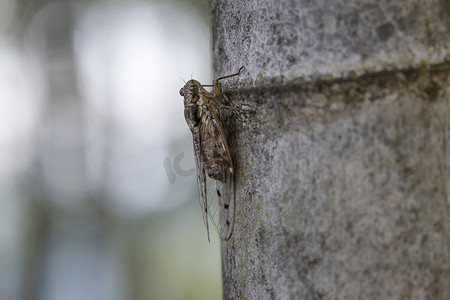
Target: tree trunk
column 343, row 170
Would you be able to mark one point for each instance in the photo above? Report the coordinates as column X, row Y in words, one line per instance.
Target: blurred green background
column 98, row 197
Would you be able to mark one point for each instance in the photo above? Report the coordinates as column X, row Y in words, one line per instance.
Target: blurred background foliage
column 91, row 203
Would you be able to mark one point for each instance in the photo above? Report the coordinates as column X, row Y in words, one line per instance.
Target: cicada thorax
column 192, row 115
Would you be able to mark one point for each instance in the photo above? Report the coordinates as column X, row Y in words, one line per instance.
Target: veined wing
column 216, row 162
column 226, row 202
column 201, row 178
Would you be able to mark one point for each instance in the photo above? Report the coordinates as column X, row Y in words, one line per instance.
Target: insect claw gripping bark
column 212, row 154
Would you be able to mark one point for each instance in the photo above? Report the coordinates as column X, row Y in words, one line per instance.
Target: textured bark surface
column 281, row 41
column 343, row 171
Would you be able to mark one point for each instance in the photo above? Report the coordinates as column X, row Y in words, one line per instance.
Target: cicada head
column 191, row 89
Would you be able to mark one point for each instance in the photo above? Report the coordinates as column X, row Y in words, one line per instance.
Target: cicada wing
column 226, row 198
column 216, row 199
column 201, row 180
column 225, row 188
column 217, row 196
column 221, row 206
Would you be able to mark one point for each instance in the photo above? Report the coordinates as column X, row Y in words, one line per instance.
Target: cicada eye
column 181, row 92
column 193, row 88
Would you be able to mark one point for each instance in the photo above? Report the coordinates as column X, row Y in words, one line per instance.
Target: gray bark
column 343, row 171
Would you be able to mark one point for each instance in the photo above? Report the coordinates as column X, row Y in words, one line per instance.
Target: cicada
column 212, row 154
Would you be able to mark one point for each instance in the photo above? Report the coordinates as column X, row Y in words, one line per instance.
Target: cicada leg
column 216, row 85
